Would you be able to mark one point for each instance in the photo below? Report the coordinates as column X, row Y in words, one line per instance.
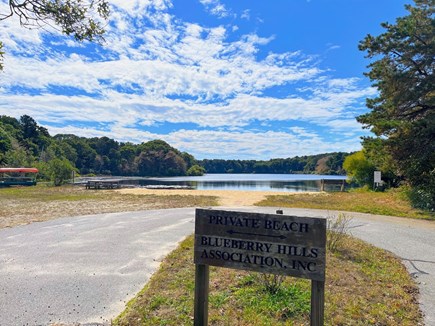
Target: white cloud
column 216, row 8
column 246, row 14
column 139, row 8
column 226, row 145
column 112, row 107
column 159, row 69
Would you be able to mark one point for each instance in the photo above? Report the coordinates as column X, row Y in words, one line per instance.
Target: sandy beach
column 43, row 204
column 231, row 198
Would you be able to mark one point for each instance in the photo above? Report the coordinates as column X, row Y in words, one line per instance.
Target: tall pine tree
column 402, row 115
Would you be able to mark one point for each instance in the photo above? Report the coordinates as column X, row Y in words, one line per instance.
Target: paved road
column 413, row 241
column 84, row 269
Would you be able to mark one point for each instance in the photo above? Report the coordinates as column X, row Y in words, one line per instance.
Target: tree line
column 24, row 143
column 329, row 163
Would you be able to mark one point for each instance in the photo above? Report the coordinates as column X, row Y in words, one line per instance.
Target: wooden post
column 317, row 302
column 201, row 295
column 322, row 185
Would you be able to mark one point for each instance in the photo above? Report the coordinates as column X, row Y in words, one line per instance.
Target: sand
column 230, row 198
column 19, row 211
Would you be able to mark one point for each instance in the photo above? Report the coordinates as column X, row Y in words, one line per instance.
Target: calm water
column 254, row 182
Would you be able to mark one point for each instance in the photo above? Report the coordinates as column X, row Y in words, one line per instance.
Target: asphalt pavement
column 85, row 269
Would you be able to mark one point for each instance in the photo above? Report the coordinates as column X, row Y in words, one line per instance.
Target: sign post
column 266, row 243
column 201, row 295
column 317, row 302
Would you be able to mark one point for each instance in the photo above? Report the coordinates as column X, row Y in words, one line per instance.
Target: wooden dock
column 332, row 182
column 104, row 184
column 121, row 183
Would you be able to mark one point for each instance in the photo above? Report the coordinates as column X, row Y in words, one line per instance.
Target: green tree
column 18, row 157
column 359, row 169
column 402, row 116
column 195, row 170
column 127, row 152
column 82, row 19
column 158, row 158
column 79, row 146
column 375, row 151
column 5, row 141
column 189, row 159
column 160, row 163
column 35, row 138
column 59, row 170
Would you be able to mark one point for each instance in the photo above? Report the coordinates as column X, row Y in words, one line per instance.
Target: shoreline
column 231, row 198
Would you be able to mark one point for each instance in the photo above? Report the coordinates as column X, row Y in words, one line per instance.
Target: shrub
column 60, row 171
column 337, row 230
column 422, row 198
column 196, row 170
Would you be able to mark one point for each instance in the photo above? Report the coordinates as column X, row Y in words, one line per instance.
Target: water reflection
column 271, row 182
column 295, row 186
column 251, row 182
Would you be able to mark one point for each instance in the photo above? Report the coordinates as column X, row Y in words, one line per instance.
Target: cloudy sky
column 219, row 79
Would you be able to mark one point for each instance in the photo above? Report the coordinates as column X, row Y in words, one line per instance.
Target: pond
column 253, row 182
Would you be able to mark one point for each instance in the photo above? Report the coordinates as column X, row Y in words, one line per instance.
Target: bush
column 337, row 230
column 271, row 282
column 60, row 170
column 422, row 198
column 196, row 170
column 359, row 169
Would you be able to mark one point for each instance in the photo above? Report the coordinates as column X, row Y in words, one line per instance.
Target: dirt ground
column 230, row 198
column 28, row 205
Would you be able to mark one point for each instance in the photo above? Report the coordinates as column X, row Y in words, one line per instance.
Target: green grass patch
column 364, row 286
column 392, row 203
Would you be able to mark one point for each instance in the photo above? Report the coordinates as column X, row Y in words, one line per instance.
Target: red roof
column 19, row 170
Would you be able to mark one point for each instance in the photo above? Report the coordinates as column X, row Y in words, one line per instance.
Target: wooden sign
column 275, row 244
column 267, row 243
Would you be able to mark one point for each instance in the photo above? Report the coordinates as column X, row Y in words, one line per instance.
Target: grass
column 23, row 205
column 364, row 286
column 391, row 203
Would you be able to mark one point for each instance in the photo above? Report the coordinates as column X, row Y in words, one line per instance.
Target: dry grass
column 364, row 286
column 25, row 205
column 390, row 203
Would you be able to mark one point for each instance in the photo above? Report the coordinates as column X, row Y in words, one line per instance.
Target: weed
column 238, row 297
column 271, row 282
column 337, row 230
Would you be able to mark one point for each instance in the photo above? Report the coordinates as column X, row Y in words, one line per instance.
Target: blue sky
column 219, row 79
